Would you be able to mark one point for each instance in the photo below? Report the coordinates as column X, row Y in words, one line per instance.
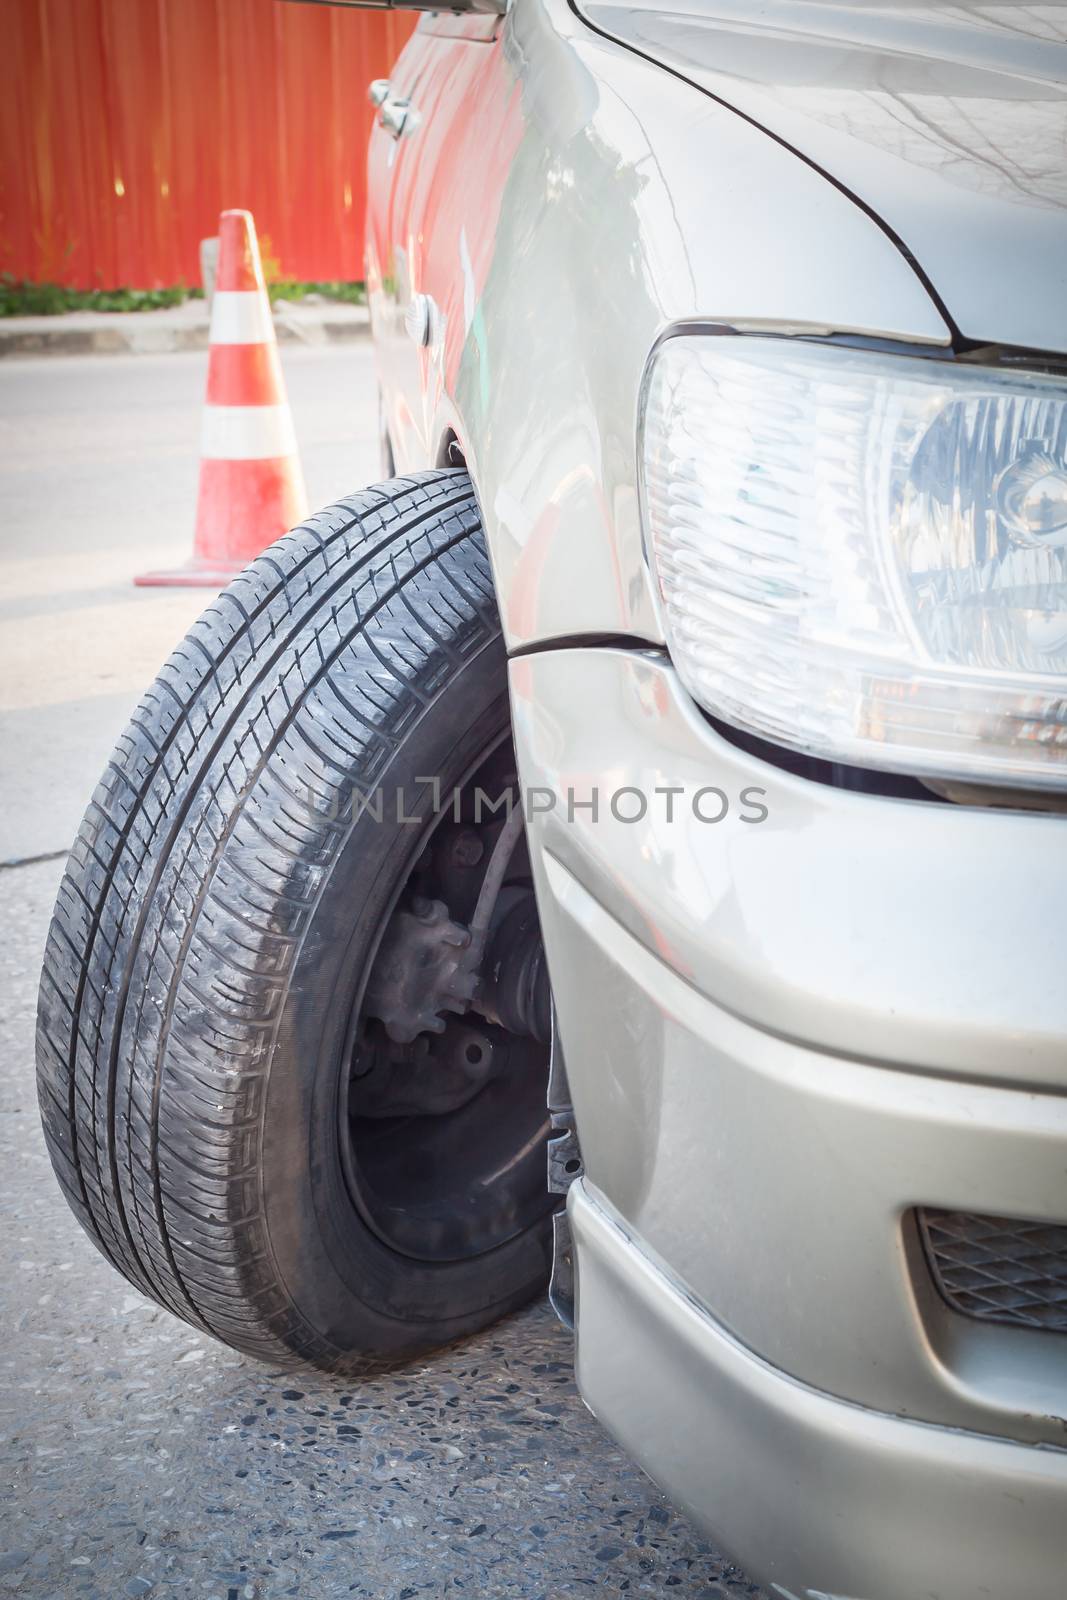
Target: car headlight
column 864, row 556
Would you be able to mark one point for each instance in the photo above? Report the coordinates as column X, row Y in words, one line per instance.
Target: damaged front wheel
column 293, row 1027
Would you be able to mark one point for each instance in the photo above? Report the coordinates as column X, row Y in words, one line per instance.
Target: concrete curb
column 161, row 332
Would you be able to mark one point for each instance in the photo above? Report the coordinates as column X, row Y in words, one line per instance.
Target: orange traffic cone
column 251, row 485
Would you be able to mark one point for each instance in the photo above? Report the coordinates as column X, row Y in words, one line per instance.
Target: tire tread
column 195, row 873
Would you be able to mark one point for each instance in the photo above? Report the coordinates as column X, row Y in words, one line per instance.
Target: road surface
column 138, row 1457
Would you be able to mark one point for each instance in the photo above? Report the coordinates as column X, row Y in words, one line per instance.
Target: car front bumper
column 782, row 1036
column 820, row 1498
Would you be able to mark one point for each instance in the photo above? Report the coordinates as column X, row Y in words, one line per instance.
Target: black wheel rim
column 464, row 1177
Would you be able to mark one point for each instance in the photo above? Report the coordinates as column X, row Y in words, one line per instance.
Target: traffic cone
column 251, row 485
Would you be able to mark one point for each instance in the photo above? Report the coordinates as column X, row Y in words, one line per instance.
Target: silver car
column 677, row 736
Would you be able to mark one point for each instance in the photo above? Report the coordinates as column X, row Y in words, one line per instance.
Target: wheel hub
column 422, row 970
column 429, row 964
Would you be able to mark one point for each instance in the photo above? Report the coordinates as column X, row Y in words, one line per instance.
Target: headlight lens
column 864, row 556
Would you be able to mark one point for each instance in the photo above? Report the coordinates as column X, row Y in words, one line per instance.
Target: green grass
column 20, row 298
column 288, row 289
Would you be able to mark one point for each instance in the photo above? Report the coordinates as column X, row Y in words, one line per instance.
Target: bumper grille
column 997, row 1268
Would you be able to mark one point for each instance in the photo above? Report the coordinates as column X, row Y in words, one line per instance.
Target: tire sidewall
column 353, row 1289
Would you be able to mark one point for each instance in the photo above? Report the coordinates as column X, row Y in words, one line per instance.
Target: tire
column 212, row 938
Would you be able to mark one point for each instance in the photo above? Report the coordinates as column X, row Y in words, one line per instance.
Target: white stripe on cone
column 247, row 433
column 241, row 316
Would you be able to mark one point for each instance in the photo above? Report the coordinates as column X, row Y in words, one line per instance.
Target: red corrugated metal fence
column 127, row 125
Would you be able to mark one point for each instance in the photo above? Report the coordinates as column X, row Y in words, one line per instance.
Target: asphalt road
column 98, row 472
column 136, row 1456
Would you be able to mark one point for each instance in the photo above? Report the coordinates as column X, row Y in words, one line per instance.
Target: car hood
column 948, row 123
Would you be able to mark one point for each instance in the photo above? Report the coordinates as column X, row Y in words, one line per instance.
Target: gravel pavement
column 139, row 1457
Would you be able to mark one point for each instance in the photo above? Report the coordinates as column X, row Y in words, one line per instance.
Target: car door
column 438, row 154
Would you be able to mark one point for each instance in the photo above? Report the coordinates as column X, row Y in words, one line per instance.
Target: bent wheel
column 292, row 1036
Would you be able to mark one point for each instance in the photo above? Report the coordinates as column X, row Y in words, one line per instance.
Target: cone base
column 193, row 575
column 241, row 508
